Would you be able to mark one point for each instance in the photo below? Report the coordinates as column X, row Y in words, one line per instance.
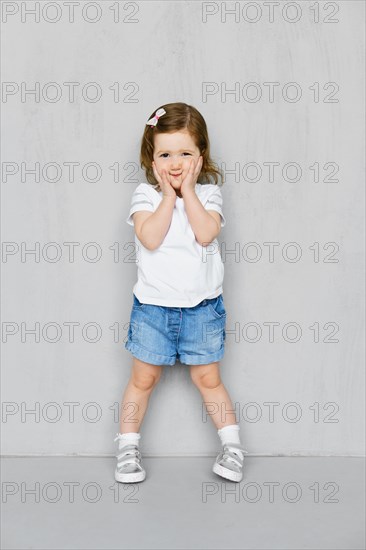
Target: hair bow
column 154, row 120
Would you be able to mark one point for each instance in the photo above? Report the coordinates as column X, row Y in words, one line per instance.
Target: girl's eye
column 163, row 154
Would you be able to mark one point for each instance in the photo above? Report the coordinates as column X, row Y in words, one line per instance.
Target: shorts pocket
column 217, row 307
column 134, row 327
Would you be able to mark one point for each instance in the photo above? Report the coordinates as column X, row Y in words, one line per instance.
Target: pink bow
column 154, row 120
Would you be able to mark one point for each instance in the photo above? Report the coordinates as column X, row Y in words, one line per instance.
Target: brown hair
column 179, row 116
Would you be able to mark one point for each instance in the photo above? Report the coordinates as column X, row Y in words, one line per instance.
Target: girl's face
column 174, row 152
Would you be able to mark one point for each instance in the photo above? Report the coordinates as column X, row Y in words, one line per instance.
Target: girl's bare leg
column 214, row 394
column 144, row 378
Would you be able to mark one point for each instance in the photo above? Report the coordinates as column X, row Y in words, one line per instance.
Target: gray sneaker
column 129, row 468
column 228, row 464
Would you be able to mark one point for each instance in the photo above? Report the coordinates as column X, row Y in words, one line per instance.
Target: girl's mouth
column 176, row 175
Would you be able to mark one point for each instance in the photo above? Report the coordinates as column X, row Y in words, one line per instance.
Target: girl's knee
column 206, row 377
column 144, row 381
column 145, row 377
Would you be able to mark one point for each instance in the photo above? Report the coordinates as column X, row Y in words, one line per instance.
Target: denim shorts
column 160, row 335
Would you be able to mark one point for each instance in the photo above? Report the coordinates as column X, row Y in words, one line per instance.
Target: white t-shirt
column 180, row 272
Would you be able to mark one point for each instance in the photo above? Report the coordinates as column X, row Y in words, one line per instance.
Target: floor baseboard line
column 148, row 455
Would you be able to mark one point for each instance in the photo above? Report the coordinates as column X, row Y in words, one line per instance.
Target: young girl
column 178, row 308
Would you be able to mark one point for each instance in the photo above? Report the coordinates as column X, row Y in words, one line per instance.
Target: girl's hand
column 164, row 182
column 190, row 180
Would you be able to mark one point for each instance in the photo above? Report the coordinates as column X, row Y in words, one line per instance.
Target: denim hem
column 148, row 357
column 202, row 360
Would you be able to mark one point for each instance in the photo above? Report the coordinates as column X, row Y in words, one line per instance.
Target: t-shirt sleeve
column 140, row 201
column 214, row 202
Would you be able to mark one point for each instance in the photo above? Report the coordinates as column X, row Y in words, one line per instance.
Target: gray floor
column 316, row 503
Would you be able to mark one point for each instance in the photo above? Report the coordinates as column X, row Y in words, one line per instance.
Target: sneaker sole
column 226, row 473
column 129, row 478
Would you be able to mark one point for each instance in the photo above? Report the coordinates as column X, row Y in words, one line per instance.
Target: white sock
column 130, row 438
column 230, row 434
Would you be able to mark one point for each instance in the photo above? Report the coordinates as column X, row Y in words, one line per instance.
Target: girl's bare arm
column 205, row 224
column 152, row 227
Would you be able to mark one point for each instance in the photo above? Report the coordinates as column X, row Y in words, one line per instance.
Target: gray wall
column 312, row 210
